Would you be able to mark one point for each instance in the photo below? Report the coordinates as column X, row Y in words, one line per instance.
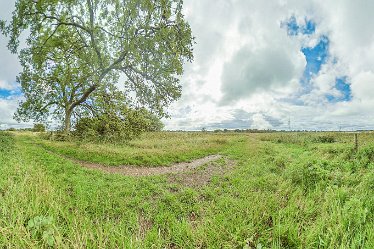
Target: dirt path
column 203, row 175
column 147, row 171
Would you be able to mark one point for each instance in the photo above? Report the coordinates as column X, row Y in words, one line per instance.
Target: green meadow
column 282, row 190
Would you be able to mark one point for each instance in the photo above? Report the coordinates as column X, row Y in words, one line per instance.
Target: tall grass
column 309, row 194
column 151, row 149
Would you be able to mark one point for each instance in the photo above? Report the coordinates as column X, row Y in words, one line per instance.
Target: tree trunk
column 67, row 121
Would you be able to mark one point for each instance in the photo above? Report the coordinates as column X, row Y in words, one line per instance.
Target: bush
column 153, row 123
column 111, row 127
column 324, row 139
column 39, row 128
column 6, row 142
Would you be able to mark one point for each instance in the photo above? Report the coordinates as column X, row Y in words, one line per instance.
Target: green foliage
column 39, row 128
column 76, row 50
column 365, row 156
column 302, row 138
column 308, row 175
column 41, row 228
column 150, row 149
column 117, row 128
column 57, row 136
column 324, row 139
column 153, row 123
column 5, row 141
column 109, row 128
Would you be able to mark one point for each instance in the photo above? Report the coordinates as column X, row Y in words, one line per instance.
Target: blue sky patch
column 10, row 93
column 293, row 28
column 5, row 93
column 309, row 28
column 315, row 58
column 342, row 85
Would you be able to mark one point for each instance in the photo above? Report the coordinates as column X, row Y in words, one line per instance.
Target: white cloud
column 260, row 70
column 9, row 64
column 6, row 86
column 259, row 122
column 244, row 57
column 363, row 86
column 7, row 108
column 260, row 66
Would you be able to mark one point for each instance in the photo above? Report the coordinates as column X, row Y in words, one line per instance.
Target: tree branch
column 85, row 95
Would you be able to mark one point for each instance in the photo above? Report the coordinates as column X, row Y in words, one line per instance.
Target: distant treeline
column 245, row 130
column 36, row 128
column 263, row 131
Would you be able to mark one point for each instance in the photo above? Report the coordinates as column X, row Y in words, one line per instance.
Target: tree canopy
column 76, row 50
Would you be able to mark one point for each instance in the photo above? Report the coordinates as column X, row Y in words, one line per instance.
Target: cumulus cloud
column 363, row 85
column 258, row 66
column 251, row 72
column 9, row 64
column 6, row 85
column 9, row 69
column 7, row 108
column 350, row 28
column 259, row 122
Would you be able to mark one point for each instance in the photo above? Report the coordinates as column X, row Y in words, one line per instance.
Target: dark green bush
column 111, row 127
column 324, row 139
column 39, row 128
column 6, row 141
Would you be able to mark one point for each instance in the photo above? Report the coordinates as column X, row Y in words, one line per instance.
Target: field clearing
column 285, row 190
column 151, row 149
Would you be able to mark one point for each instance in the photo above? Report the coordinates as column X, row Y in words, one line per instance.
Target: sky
column 275, row 64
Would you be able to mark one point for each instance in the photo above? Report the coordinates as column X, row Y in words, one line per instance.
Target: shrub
column 153, row 123
column 39, row 128
column 324, row 139
column 112, row 127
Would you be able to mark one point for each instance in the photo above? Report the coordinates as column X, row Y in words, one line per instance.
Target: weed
column 41, row 228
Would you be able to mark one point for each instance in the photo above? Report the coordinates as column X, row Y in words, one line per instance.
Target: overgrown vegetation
column 117, row 127
column 39, row 128
column 308, row 194
column 150, row 149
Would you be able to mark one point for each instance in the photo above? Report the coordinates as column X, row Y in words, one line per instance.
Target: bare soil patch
column 198, row 177
column 196, row 173
column 148, row 171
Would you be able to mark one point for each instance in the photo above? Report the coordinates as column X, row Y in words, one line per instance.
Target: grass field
column 294, row 190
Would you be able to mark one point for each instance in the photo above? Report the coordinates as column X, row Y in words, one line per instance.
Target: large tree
column 76, row 48
column 54, row 80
